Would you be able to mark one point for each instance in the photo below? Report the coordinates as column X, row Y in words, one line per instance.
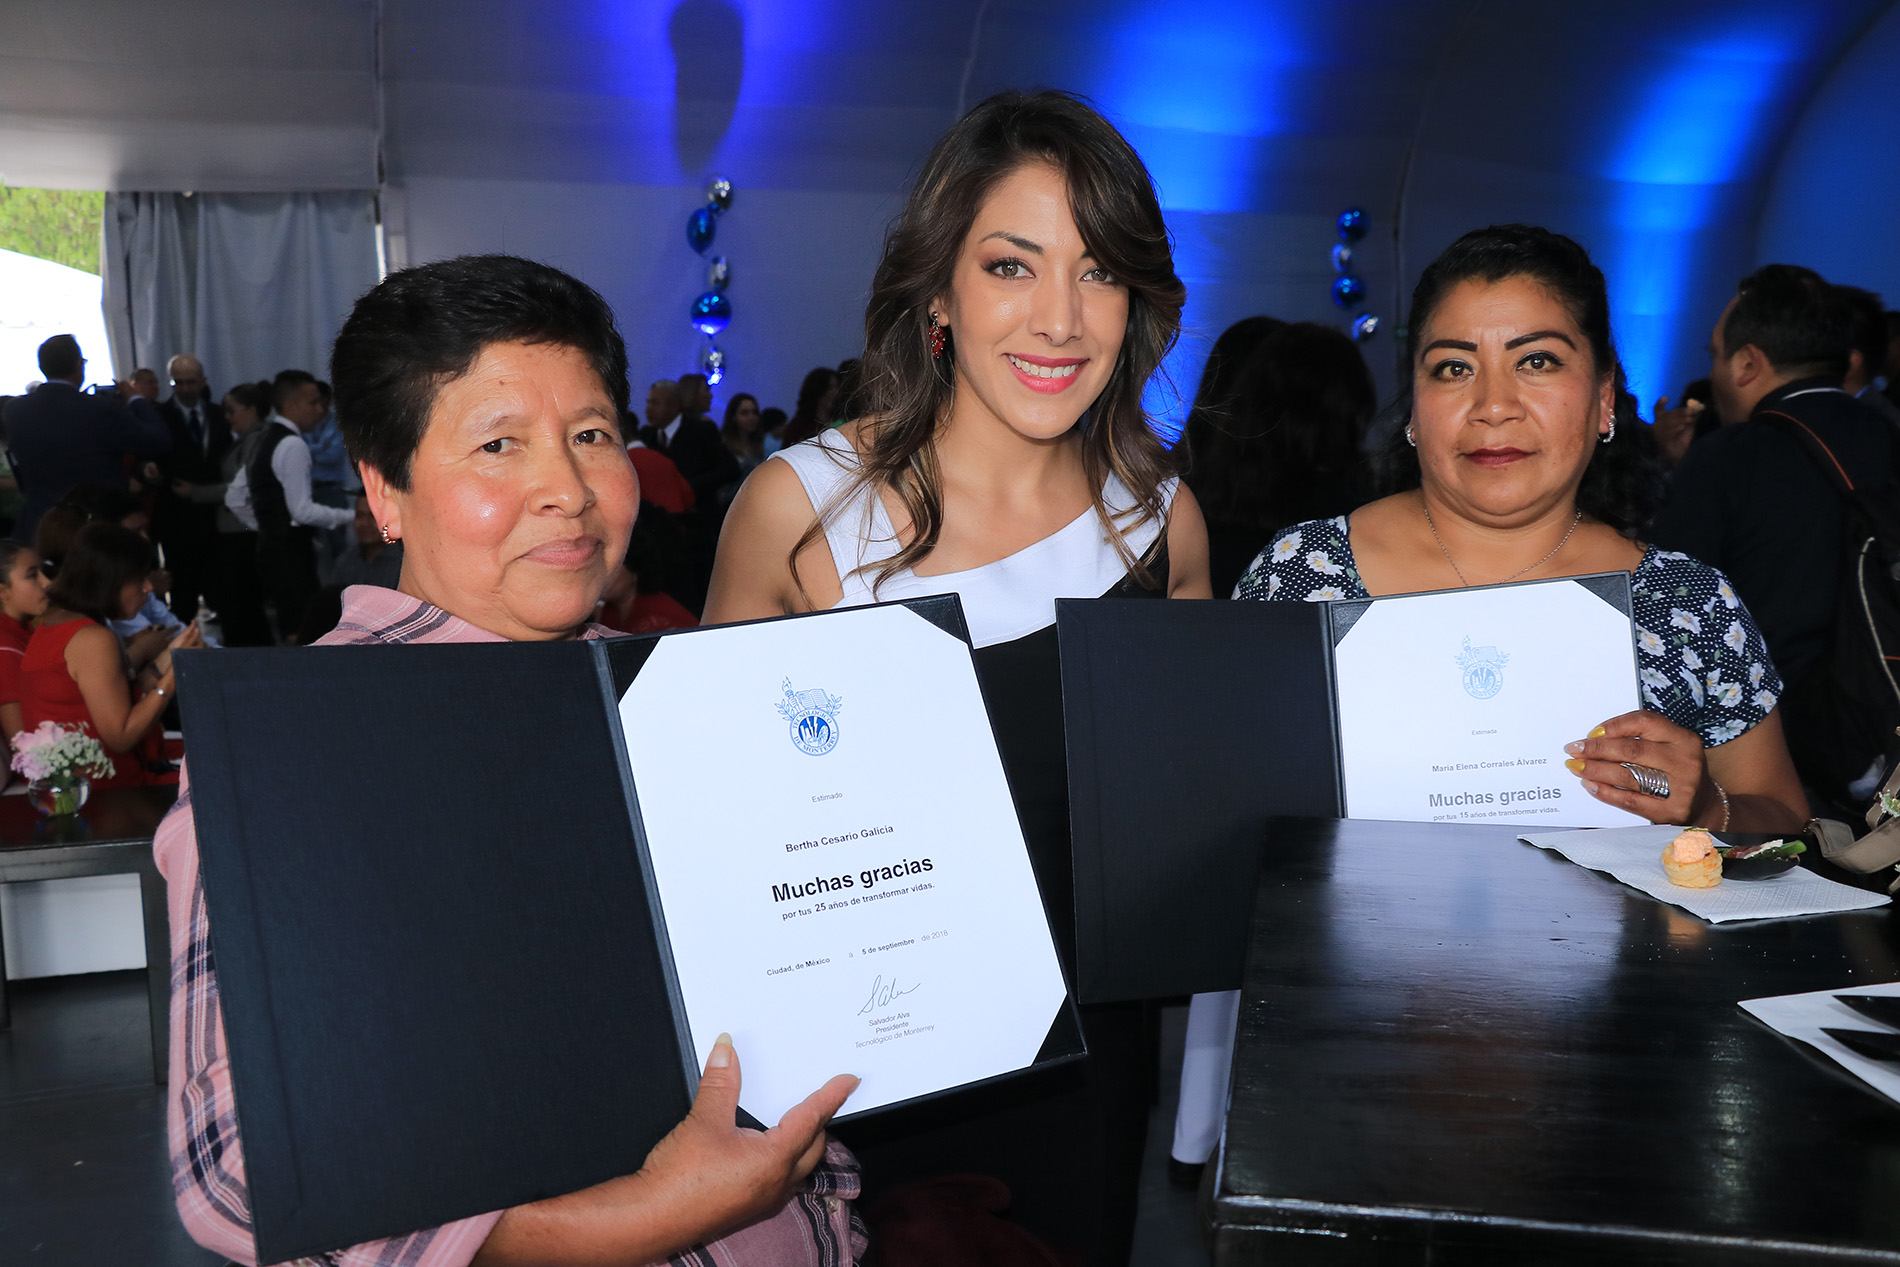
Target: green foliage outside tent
column 61, row 225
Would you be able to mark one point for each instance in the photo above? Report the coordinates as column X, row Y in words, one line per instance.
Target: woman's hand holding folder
column 709, row 1176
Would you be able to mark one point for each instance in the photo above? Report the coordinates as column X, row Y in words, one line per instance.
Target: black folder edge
column 1078, row 720
column 1062, row 1045
column 1086, row 813
column 676, row 1001
column 1085, row 808
column 217, row 781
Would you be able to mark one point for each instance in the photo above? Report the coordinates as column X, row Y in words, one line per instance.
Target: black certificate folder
column 1189, row 725
column 447, row 976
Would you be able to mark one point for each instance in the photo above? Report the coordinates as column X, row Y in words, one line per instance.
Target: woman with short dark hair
column 482, row 397
column 1027, row 283
column 73, row 671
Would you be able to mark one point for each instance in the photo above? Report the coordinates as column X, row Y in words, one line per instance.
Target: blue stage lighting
column 1693, row 131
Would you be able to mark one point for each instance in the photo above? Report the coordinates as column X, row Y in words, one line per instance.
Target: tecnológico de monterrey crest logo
column 1484, row 670
column 814, row 718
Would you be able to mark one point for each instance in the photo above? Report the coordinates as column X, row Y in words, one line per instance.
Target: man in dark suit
column 61, row 436
column 676, row 428
column 188, row 530
column 1750, row 500
column 693, row 445
column 695, row 397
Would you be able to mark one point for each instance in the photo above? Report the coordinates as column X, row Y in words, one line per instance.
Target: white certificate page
column 844, row 879
column 1455, row 706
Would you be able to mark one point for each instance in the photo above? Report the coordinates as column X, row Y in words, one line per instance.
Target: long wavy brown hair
column 907, row 393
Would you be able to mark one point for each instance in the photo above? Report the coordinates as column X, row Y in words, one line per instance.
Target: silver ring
column 1650, row 782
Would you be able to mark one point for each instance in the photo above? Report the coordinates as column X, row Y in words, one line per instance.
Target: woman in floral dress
column 1523, row 458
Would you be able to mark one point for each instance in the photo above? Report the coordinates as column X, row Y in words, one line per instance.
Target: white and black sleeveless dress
column 1068, row 1143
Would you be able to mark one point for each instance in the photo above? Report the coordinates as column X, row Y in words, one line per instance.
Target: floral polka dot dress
column 1702, row 661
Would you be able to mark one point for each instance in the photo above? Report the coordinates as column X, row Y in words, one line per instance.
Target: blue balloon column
column 699, row 230
column 712, row 311
column 1349, row 289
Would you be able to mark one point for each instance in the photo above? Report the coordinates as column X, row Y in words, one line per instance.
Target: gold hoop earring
column 387, row 539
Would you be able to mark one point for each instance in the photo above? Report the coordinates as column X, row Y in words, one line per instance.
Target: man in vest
column 272, row 495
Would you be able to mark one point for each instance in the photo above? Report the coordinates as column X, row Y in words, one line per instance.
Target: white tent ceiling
column 250, row 96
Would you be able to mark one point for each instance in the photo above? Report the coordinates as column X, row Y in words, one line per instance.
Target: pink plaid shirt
column 819, row 1227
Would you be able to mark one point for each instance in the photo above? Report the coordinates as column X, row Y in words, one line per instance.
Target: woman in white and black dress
column 1024, row 298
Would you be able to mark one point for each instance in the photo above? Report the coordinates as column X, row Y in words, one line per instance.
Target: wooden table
column 1455, row 1048
column 111, row 836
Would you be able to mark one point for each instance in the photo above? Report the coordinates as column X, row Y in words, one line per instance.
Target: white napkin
column 1802, row 1016
column 1634, row 856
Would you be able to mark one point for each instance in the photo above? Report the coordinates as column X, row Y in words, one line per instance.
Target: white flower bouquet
column 60, row 755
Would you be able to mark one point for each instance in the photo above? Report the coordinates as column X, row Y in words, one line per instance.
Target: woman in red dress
column 74, row 673
column 22, row 600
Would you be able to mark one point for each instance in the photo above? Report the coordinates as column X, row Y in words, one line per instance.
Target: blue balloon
column 712, row 312
column 699, row 230
column 1348, row 290
column 1364, row 326
column 1342, row 258
column 1352, row 224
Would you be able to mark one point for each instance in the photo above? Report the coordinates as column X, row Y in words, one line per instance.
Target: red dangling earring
column 936, row 339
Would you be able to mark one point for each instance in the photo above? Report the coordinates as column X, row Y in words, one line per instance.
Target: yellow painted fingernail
column 1573, row 765
column 1598, row 733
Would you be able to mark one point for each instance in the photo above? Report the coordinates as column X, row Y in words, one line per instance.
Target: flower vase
column 58, row 797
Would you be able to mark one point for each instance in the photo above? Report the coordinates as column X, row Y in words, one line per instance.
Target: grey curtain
column 250, row 284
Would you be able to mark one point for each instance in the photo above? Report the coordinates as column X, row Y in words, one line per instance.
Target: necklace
column 1513, row 576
